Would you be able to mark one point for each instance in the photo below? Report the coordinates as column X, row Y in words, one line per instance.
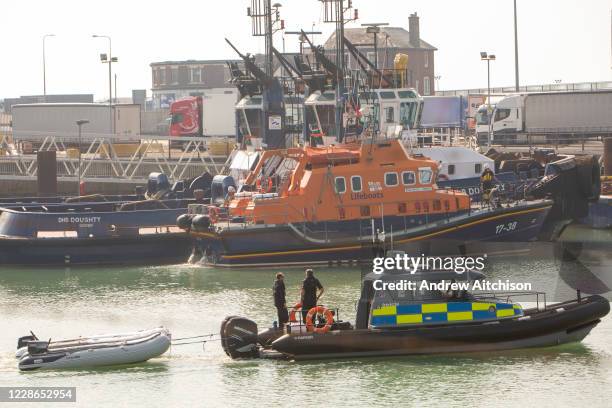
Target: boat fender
column 240, row 338
column 184, row 221
column 294, row 310
column 200, row 222
column 329, row 319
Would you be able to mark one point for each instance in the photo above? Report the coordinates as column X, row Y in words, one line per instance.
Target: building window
column 371, row 56
column 451, row 169
column 426, row 59
column 196, row 76
column 162, row 76
column 340, row 185
column 174, row 76
column 356, row 184
column 408, row 178
column 155, row 77
column 478, row 168
column 426, row 86
column 391, row 179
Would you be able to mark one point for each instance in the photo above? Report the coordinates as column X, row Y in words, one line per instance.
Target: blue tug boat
column 97, row 230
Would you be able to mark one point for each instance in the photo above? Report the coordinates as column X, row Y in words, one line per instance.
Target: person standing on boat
column 279, row 299
column 312, row 290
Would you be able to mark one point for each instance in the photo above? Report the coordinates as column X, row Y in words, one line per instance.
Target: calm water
column 193, row 300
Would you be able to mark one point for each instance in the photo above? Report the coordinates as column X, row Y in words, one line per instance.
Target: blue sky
column 563, row 39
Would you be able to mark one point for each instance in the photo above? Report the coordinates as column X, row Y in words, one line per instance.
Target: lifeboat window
column 451, row 169
column 417, row 207
column 437, row 205
column 408, row 178
column 425, row 175
column 364, row 210
column 478, row 168
column 340, row 185
column 426, row 206
column 356, row 184
column 391, row 179
column 401, row 208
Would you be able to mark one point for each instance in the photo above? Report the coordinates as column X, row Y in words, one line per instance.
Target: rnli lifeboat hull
column 568, row 323
column 348, row 241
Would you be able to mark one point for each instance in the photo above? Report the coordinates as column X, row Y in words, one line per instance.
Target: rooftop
column 398, row 38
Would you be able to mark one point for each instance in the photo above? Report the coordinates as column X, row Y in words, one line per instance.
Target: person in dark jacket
column 279, row 299
column 312, row 290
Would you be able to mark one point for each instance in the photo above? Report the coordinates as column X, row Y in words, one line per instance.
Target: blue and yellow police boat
column 408, row 314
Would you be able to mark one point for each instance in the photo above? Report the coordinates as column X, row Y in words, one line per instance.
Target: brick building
column 173, row 80
column 391, row 41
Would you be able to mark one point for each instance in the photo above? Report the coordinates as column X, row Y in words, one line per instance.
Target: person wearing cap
column 312, row 290
column 280, row 302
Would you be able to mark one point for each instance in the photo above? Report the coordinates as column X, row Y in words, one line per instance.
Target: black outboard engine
column 157, row 185
column 23, row 341
column 220, row 184
column 239, row 337
column 38, row 347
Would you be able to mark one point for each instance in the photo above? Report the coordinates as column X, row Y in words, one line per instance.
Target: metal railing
column 578, row 86
column 124, row 158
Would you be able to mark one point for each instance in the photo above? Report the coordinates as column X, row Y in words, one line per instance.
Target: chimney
column 414, row 32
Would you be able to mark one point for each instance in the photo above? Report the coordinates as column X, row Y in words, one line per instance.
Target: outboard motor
column 239, row 337
column 157, row 185
column 220, row 184
column 23, row 341
column 38, row 347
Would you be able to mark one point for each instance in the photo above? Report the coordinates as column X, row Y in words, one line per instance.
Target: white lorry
column 40, row 123
column 546, row 118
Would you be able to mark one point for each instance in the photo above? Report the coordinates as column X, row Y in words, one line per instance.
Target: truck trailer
column 549, row 118
column 38, row 122
column 212, row 114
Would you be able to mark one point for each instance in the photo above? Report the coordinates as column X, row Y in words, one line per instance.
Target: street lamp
column 484, row 56
column 516, row 56
column 44, row 66
column 80, row 124
column 109, row 59
column 374, row 28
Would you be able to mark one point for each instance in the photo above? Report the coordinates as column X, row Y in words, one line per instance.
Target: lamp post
column 484, row 56
column 80, row 124
column 374, row 28
column 109, row 60
column 516, row 57
column 44, row 65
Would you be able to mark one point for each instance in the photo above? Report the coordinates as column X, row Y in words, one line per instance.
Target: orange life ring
column 329, row 319
column 294, row 309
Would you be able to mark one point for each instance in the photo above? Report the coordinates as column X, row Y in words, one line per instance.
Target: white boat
column 93, row 351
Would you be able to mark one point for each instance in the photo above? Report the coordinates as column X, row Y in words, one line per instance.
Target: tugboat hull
column 155, row 249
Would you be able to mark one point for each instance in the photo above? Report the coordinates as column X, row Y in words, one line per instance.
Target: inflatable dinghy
column 94, row 351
